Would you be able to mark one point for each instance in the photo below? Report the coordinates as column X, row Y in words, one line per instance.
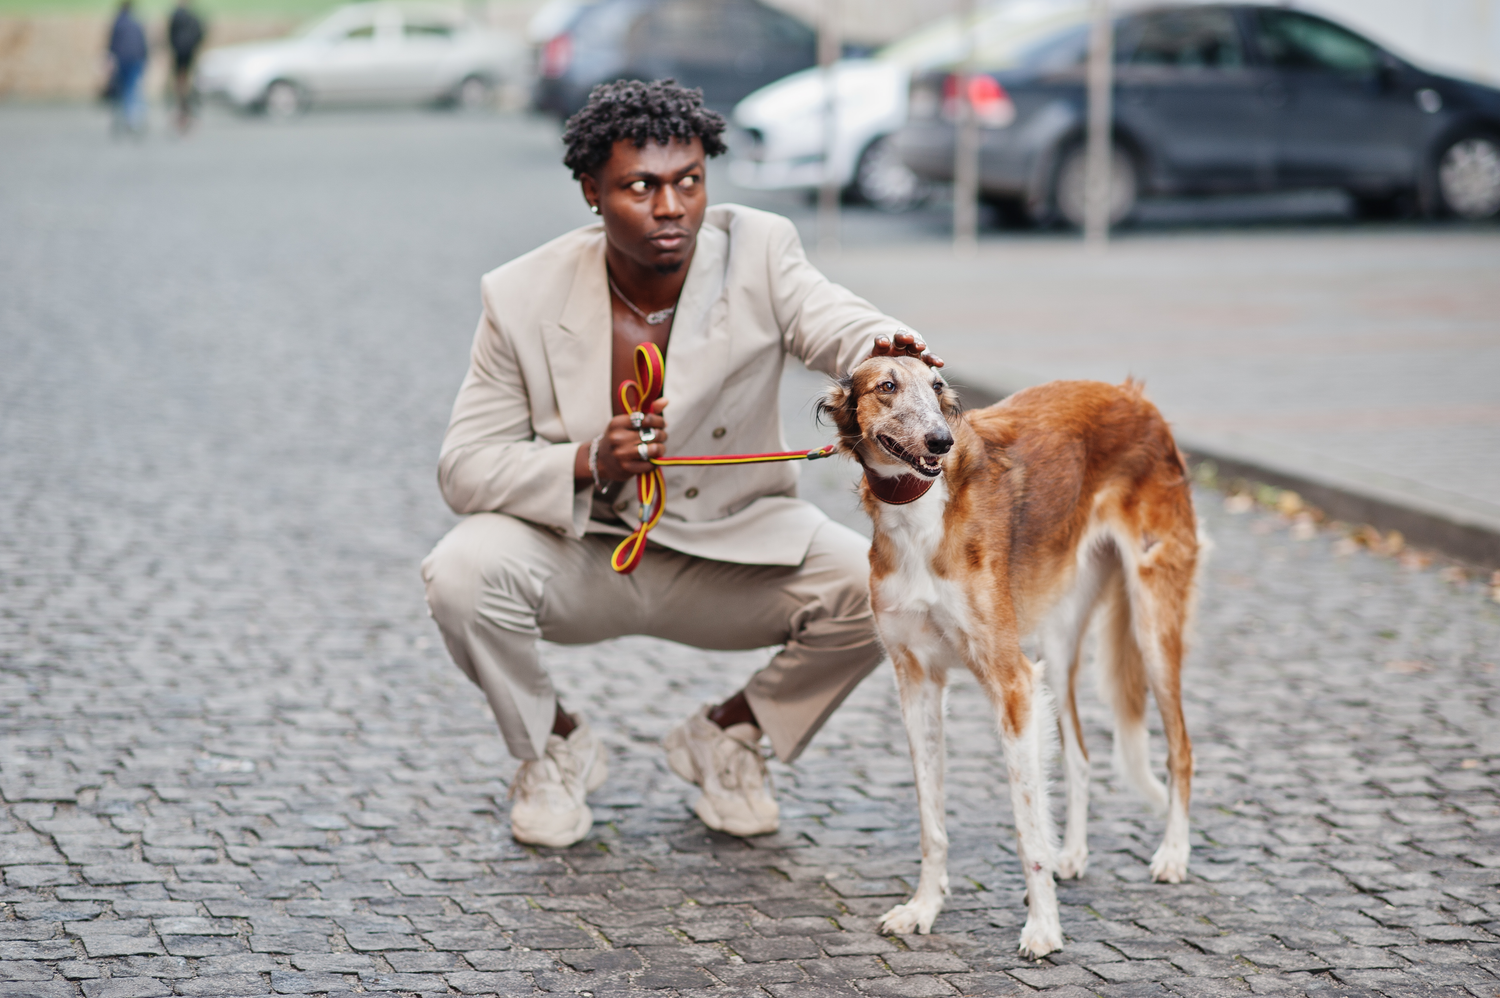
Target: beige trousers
column 495, row 584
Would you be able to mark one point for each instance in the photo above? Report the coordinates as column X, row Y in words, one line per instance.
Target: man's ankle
column 562, row 722
column 735, row 710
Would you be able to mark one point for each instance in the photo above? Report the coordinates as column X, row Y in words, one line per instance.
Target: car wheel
column 473, row 94
column 1468, row 177
column 283, row 99
column 883, row 181
column 1068, row 191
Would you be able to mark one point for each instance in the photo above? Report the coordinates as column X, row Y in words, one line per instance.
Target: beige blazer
column 539, row 383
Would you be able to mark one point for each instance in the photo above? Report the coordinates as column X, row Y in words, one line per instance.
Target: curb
column 1456, row 525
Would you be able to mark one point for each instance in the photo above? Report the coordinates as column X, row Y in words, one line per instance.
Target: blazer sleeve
column 492, row 459
column 825, row 325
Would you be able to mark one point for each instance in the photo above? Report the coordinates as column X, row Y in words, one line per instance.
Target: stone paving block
column 754, row 949
column 912, row 986
column 476, row 983
column 223, row 986
column 127, row 987
column 1044, row 976
column 37, row 989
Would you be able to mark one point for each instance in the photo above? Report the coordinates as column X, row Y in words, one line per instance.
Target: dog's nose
column 939, row 442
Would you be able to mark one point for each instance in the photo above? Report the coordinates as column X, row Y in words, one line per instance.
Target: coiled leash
column 636, row 396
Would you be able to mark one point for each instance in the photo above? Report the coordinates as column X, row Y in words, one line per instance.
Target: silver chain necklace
column 650, row 318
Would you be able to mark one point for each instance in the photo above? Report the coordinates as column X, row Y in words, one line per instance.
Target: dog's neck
column 897, row 490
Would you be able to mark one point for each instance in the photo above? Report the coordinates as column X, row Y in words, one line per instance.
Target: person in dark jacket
column 127, row 50
column 185, row 35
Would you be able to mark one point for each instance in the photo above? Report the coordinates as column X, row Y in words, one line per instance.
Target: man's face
column 652, row 201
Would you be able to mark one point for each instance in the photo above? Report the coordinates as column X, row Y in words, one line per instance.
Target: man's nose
column 939, row 441
column 668, row 202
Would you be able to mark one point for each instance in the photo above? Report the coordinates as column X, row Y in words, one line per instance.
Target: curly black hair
column 631, row 109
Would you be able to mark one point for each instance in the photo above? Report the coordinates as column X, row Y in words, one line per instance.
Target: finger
column 932, row 361
column 658, row 406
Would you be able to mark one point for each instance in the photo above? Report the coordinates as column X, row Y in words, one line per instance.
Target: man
column 127, row 52
column 185, row 35
column 539, row 450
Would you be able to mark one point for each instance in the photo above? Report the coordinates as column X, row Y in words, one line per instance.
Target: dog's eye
column 937, row 386
column 887, row 386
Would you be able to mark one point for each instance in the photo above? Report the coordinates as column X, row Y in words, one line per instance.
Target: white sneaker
column 549, row 808
column 727, row 765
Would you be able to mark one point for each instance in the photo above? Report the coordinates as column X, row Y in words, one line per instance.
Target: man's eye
column 638, row 187
column 688, row 182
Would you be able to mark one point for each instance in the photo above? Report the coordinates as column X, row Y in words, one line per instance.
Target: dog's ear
column 948, row 400
column 839, row 405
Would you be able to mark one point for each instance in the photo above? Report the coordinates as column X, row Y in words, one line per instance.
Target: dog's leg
column 922, row 692
column 1026, row 717
column 1160, row 618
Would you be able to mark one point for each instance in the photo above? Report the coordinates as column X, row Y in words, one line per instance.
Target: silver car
column 367, row 53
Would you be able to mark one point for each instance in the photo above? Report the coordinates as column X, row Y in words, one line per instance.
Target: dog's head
column 894, row 415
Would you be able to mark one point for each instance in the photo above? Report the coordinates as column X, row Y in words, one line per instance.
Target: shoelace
column 530, row 774
column 737, row 765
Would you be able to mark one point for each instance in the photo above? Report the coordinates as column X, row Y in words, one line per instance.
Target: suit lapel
column 698, row 355
column 578, row 348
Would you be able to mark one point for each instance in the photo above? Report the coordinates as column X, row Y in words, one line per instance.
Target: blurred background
column 1300, row 199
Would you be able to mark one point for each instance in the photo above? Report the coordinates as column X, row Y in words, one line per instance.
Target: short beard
column 667, row 268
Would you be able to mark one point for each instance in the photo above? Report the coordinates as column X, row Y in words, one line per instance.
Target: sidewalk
column 1360, row 366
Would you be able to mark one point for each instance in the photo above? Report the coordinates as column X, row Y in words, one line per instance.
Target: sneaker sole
column 706, row 813
column 560, row 839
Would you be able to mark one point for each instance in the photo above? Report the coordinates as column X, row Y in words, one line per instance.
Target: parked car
column 779, row 131
column 727, row 47
column 1219, row 98
column 367, row 53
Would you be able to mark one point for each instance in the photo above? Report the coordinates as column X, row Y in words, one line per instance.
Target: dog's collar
column 900, row 490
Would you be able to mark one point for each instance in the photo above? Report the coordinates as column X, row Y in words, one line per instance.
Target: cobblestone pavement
column 235, row 760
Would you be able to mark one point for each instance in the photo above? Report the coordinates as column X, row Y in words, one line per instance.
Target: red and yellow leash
column 636, row 396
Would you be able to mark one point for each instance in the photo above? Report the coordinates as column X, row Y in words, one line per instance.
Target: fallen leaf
column 1469, row 764
column 1406, row 666
column 1289, row 503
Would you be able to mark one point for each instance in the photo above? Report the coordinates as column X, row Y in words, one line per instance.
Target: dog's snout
column 939, row 442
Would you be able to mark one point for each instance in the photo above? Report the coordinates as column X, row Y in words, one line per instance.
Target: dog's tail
column 1124, row 685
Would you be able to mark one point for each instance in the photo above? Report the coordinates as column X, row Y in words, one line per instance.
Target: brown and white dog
column 1014, row 522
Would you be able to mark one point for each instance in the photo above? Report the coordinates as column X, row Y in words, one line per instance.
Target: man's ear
column 590, row 191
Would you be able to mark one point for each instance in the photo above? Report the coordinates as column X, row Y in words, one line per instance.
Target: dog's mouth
column 927, row 465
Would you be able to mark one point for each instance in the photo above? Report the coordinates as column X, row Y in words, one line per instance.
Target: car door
column 359, row 63
column 426, row 59
column 1187, row 90
column 1343, row 123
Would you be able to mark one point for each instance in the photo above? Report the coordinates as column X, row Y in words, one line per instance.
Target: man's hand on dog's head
column 619, row 451
column 906, row 345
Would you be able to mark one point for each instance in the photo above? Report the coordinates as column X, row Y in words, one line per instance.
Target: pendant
column 659, row 316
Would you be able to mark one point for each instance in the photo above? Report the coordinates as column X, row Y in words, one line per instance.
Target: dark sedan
column 1220, row 99
column 728, row 47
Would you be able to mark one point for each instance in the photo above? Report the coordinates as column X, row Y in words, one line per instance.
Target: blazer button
column 691, row 493
column 622, row 505
column 719, row 432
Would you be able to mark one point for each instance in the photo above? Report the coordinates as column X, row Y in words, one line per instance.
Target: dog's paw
column 910, row 917
column 1072, row 862
column 1169, row 865
column 1040, row 937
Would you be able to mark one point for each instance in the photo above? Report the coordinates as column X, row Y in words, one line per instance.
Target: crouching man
column 539, row 451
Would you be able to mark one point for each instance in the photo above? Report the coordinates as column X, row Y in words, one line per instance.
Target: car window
column 363, row 32
column 1182, row 39
column 695, row 31
column 1289, row 40
column 428, row 30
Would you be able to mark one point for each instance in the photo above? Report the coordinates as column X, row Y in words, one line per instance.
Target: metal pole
column 966, row 146
column 1100, row 115
column 830, row 45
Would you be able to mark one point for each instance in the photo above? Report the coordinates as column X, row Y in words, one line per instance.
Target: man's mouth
column 926, row 465
column 669, row 240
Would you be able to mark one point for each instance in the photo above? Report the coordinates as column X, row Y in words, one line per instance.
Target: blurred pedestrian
column 185, row 35
column 127, row 53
